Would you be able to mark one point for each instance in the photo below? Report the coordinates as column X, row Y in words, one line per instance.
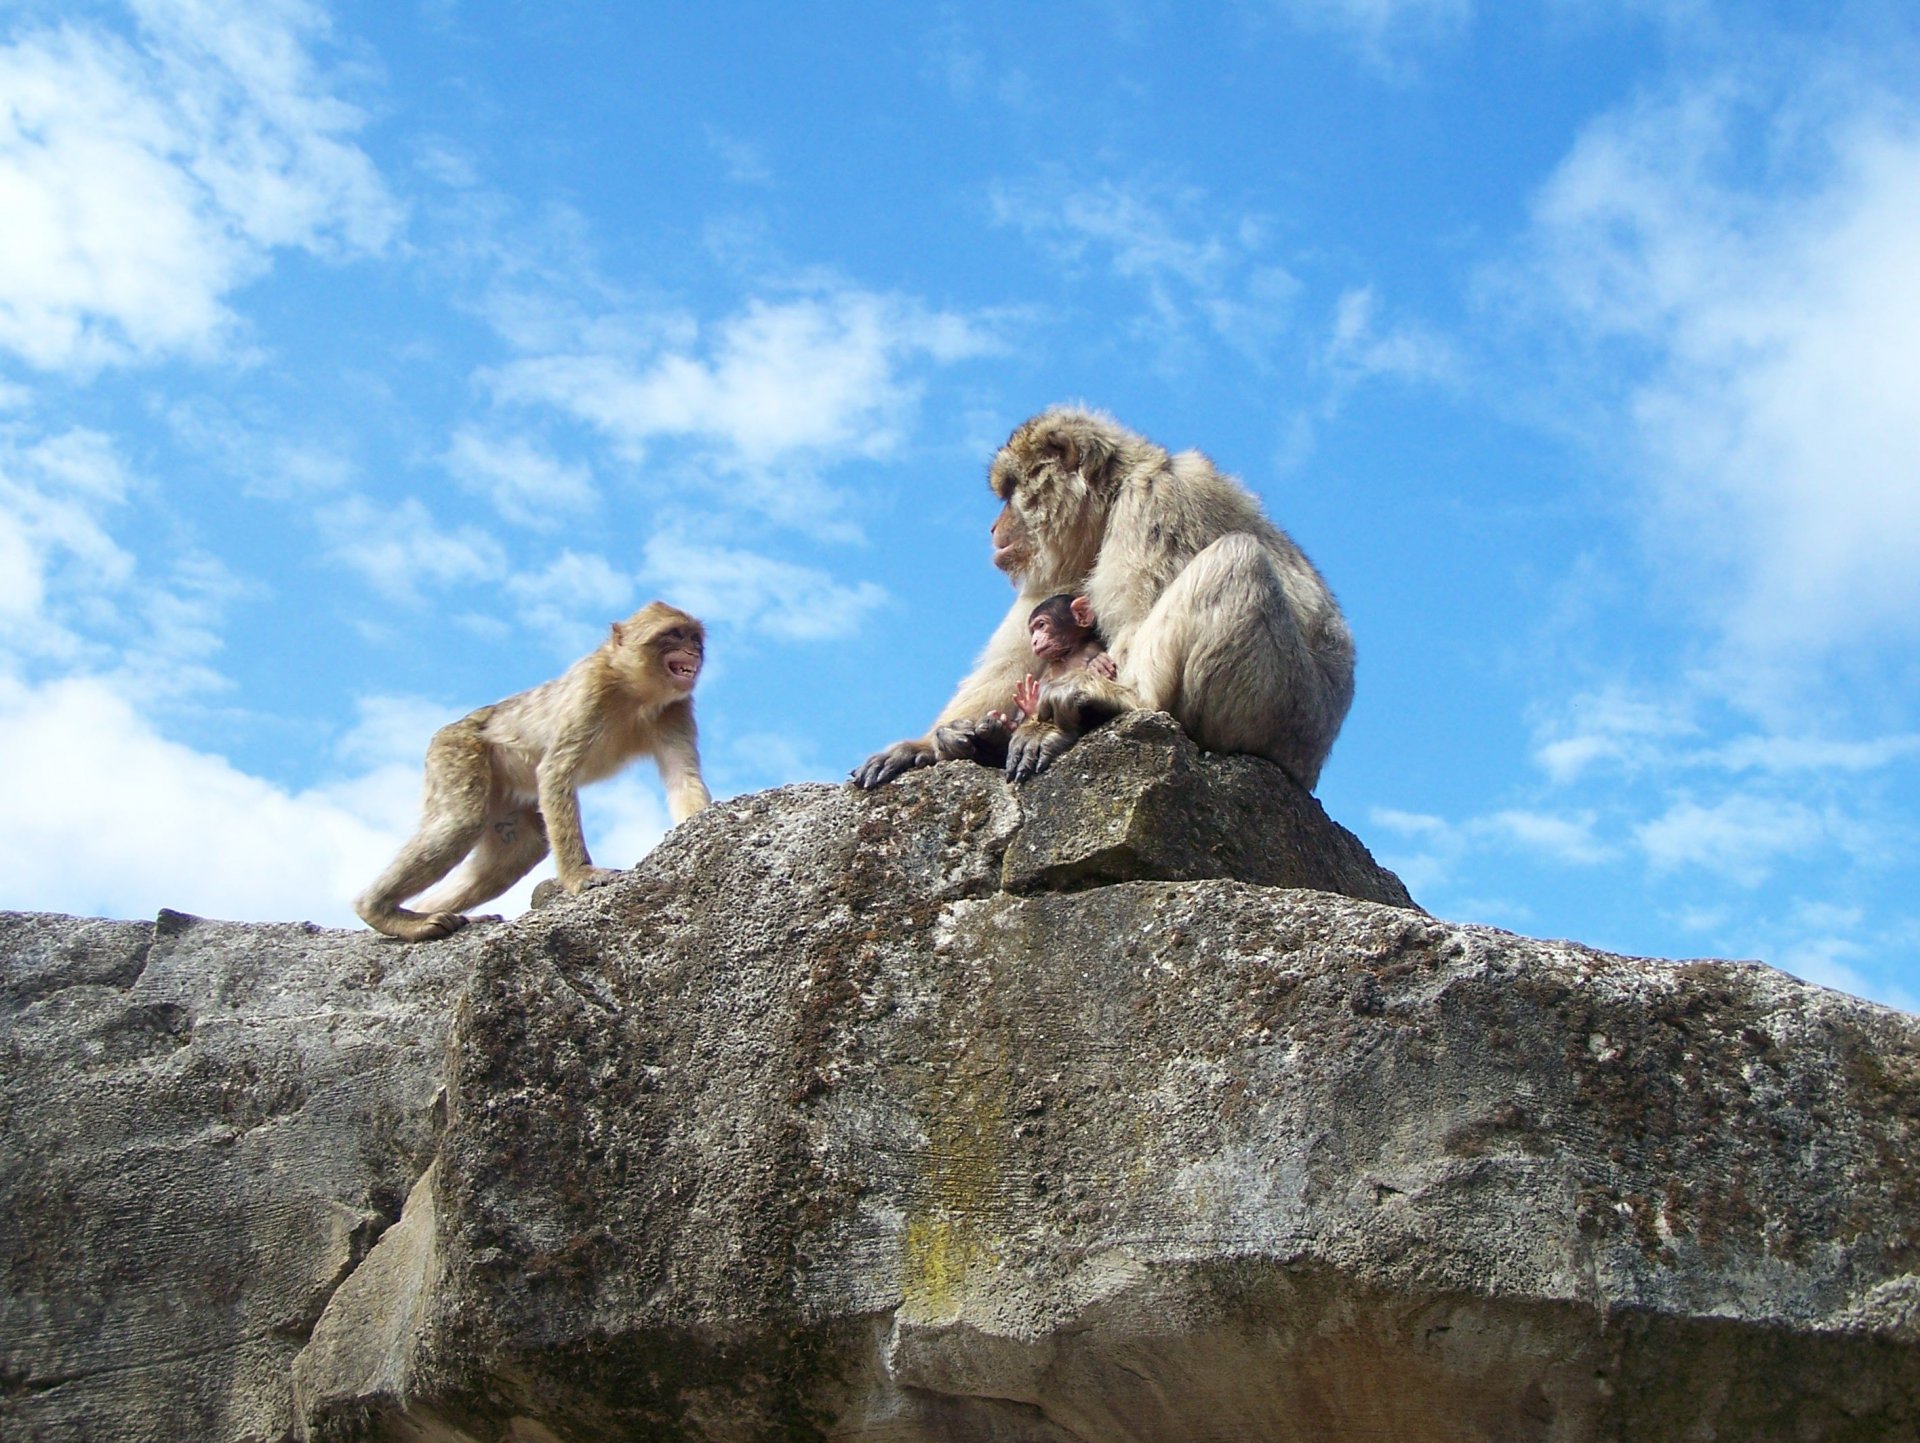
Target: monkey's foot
column 419, row 927
column 955, row 742
column 1034, row 748
column 590, row 877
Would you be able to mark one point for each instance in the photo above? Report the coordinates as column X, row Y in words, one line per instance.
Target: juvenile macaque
column 1063, row 636
column 505, row 779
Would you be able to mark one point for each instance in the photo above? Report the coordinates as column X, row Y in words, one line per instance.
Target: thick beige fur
column 505, row 779
column 1209, row 609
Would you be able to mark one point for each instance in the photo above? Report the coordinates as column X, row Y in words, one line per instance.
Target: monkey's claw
column 883, row 766
column 1034, row 748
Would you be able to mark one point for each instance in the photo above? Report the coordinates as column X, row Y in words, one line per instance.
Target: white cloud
column 819, row 375
column 1564, row 838
column 142, row 185
column 1813, row 754
column 573, row 599
column 1612, row 726
column 526, row 485
column 757, row 593
column 55, row 493
column 1741, row 837
column 1761, row 252
column 391, row 731
column 106, row 817
column 398, row 548
column 1411, row 824
column 1634, row 733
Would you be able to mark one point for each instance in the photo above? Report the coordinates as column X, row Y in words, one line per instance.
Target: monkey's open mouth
column 683, row 670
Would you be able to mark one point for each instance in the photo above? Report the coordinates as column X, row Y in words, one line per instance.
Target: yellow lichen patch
column 963, row 1188
column 937, row 1254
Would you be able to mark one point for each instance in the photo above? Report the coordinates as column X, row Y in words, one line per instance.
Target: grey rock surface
column 203, row 1128
column 955, row 1112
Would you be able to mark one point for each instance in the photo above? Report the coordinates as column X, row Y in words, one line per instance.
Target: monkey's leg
column 432, row 853
column 453, row 813
column 1221, row 651
column 512, row 845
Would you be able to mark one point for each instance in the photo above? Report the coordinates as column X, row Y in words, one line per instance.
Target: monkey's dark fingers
column 883, row 766
column 1034, row 748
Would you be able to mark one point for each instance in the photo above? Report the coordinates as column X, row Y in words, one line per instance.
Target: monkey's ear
column 1082, row 610
column 1057, row 441
column 617, row 633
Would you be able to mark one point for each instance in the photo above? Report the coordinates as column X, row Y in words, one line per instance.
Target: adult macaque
column 1209, row 609
column 1063, row 637
column 503, row 780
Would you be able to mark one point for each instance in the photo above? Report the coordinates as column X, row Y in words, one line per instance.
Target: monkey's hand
column 1103, row 665
column 1034, row 748
column 883, row 766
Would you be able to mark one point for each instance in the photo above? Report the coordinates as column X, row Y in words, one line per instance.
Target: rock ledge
column 1138, row 1105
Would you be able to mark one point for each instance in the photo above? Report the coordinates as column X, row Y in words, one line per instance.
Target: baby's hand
column 1026, row 696
column 1103, row 665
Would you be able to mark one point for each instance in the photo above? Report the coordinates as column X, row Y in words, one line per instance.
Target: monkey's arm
column 1002, row 663
column 559, row 778
column 677, row 752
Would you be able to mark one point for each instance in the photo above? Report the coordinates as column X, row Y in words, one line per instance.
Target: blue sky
column 359, row 362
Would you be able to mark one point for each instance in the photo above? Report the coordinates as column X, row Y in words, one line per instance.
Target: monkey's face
column 1050, row 640
column 681, row 654
column 1049, row 529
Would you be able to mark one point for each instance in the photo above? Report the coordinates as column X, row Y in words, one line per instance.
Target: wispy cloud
column 526, row 485
column 817, row 374
column 1752, row 255
column 573, row 598
column 1742, row 837
column 401, row 551
column 142, row 185
column 1360, row 346
column 73, row 594
column 744, row 589
column 1383, row 32
column 766, row 396
column 1193, row 261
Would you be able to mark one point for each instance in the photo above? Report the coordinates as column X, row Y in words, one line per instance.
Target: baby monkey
column 505, row 779
column 1064, row 637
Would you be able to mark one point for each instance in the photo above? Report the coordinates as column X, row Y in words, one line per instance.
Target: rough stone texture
column 203, row 1128
column 1170, row 813
column 896, row 1117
